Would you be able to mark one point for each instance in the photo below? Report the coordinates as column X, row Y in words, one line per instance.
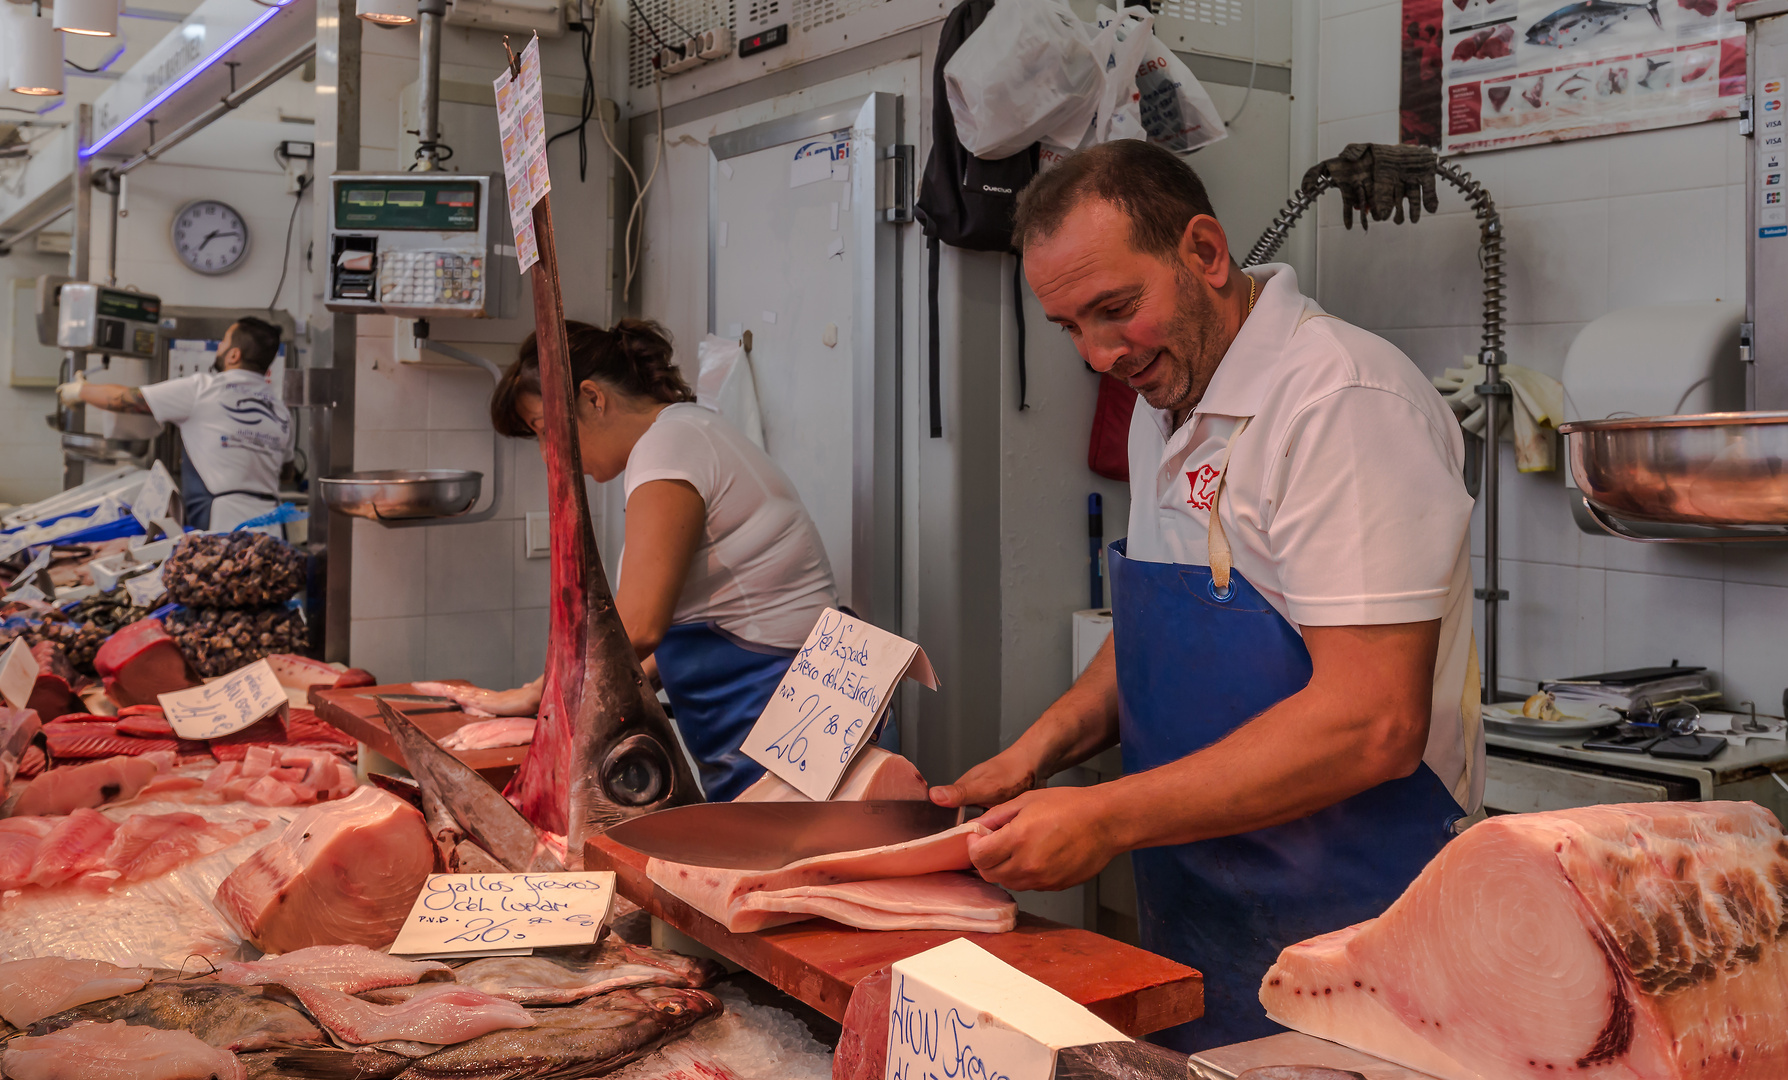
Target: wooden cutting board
column 822, row 963
column 354, row 712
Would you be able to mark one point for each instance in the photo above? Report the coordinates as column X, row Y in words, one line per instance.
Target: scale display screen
column 131, row 306
column 431, row 206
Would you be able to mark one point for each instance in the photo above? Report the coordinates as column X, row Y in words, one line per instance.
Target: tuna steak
column 344, row 872
column 1641, row 942
column 603, row 749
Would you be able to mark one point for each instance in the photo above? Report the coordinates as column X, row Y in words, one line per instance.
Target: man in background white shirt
column 235, row 432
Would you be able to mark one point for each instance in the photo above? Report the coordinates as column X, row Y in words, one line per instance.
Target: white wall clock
column 210, row 236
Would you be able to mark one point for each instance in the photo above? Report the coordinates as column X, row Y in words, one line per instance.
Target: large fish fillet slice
column 343, row 873
column 42, row 986
column 95, row 783
column 721, row 893
column 438, row 1015
column 603, row 749
column 944, row 901
column 1641, row 942
column 351, row 969
column 118, row 1051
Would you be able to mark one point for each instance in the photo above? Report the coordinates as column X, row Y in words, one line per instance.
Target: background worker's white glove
column 69, row 393
column 1537, row 402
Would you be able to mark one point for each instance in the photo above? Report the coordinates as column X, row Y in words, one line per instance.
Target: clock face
column 210, row 237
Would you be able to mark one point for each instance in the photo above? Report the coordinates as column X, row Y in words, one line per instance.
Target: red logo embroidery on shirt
column 1204, row 486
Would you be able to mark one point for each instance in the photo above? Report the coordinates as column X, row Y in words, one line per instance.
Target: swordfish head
column 603, row 749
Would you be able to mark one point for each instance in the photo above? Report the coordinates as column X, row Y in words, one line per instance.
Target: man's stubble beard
column 1191, row 335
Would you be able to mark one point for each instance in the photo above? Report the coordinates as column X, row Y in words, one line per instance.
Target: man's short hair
column 259, row 341
column 1154, row 188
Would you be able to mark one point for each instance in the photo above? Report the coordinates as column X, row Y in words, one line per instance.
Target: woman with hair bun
column 723, row 573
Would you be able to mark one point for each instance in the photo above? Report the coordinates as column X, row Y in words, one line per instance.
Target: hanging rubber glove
column 1351, row 172
column 1403, row 174
column 69, row 393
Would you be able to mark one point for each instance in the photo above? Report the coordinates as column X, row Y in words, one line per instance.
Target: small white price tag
column 18, row 673
column 145, row 589
column 486, row 914
column 152, row 499
column 959, row 1011
column 226, row 705
column 831, row 700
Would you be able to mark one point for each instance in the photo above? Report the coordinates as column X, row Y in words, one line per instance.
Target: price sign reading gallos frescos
column 830, row 703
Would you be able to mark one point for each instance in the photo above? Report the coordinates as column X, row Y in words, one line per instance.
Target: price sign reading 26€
column 830, row 702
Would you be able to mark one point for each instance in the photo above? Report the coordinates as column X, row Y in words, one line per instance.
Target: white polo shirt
column 760, row 571
column 1344, row 502
column 236, row 432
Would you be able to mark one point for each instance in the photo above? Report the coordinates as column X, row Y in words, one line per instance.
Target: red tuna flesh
column 140, row 662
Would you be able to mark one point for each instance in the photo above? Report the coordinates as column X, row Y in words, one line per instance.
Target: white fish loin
column 1641, row 942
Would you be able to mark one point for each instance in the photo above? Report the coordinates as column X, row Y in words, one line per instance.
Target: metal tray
column 1726, row 473
column 402, row 494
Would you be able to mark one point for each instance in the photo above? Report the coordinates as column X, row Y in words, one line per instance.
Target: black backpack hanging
column 965, row 201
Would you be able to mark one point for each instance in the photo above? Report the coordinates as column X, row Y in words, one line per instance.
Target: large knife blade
column 765, row 836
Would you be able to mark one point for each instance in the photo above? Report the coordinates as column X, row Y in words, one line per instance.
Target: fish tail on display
column 603, row 749
column 459, row 805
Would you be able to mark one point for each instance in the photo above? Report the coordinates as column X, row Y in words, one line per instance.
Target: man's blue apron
column 197, row 498
column 1199, row 653
column 718, row 684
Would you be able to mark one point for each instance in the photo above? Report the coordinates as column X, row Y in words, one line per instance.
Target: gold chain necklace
column 1253, row 291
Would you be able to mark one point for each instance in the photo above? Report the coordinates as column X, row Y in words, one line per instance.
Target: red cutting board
column 354, row 712
column 821, row 962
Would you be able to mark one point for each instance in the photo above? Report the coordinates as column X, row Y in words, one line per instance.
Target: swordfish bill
column 459, row 805
column 603, row 749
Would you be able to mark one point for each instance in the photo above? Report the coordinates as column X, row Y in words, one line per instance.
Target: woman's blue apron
column 718, row 684
column 1199, row 653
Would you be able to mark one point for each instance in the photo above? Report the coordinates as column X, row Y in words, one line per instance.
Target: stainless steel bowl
column 1715, row 469
column 402, row 494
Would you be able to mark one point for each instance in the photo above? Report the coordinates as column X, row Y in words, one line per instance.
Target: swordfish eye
column 637, row 772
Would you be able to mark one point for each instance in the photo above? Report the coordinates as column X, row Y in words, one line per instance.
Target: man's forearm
column 112, row 398
column 1338, row 736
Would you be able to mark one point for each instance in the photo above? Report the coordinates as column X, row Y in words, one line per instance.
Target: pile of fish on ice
column 351, row 1012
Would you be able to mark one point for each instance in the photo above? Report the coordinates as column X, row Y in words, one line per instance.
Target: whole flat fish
column 587, row 1040
column 227, row 1017
column 559, row 979
column 603, row 749
column 1574, row 24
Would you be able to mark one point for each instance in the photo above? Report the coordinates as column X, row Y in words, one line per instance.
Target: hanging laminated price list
column 521, row 125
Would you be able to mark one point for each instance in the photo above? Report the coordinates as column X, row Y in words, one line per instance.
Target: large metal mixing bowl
column 402, row 494
column 1725, row 470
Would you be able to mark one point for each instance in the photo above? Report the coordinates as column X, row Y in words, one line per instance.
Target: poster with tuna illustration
column 1490, row 74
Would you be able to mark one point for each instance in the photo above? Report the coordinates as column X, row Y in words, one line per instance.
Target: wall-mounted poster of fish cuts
column 1489, row 74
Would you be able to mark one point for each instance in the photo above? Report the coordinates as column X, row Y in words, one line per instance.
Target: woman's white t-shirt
column 760, row 571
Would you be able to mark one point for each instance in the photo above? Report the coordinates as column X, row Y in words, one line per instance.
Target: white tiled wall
column 1592, row 225
column 451, row 600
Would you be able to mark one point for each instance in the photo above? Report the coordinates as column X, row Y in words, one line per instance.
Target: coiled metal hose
column 1489, row 245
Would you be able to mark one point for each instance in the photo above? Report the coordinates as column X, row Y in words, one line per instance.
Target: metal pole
column 114, row 187
column 428, row 85
column 80, row 243
column 204, row 120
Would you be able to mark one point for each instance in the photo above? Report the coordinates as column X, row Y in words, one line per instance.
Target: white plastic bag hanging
column 1122, row 42
column 1176, row 111
column 724, row 384
column 1028, row 72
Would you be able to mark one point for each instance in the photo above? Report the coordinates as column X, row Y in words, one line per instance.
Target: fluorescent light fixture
column 174, row 87
column 33, row 51
column 386, row 12
column 89, row 18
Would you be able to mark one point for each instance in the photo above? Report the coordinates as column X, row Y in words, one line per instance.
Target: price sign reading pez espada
column 831, row 700
column 227, row 705
column 457, row 914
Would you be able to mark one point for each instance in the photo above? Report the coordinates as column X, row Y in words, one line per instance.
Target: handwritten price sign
column 831, row 701
column 456, row 914
column 961, row 1013
column 226, row 705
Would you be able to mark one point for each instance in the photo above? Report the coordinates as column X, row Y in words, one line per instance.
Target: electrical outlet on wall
column 538, row 542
